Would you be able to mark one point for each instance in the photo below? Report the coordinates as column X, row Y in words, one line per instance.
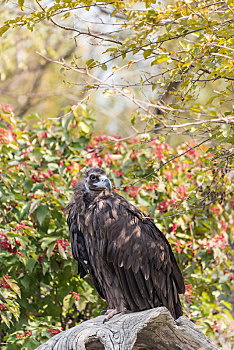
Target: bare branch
column 94, row 35
column 143, row 105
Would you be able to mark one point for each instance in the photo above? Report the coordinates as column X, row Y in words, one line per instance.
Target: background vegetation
column 160, row 75
column 40, row 162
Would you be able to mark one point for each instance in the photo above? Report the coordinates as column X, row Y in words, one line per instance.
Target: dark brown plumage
column 129, row 260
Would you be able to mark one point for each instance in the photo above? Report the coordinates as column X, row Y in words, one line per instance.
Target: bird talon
column 103, row 312
column 109, row 314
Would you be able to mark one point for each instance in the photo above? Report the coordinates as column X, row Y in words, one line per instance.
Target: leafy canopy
column 173, row 60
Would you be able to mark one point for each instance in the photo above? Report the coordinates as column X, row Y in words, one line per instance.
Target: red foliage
column 53, row 331
column 4, row 136
column 6, row 245
column 76, row 295
column 3, row 307
column 6, row 108
column 3, row 282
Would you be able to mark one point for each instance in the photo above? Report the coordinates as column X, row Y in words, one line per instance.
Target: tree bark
column 153, row 329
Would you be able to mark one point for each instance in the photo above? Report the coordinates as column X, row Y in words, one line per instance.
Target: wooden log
column 153, row 329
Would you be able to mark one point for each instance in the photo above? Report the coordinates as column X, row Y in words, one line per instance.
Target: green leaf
column 32, row 116
column 53, row 166
column 30, row 264
column 28, row 184
column 26, row 281
column 34, row 256
column 5, row 318
column 45, row 267
column 229, row 315
column 228, row 305
column 31, row 344
column 147, row 53
column 66, row 121
column 25, row 210
column 16, row 289
column 68, row 301
column 50, row 249
column 41, row 213
column 47, row 241
column 90, row 63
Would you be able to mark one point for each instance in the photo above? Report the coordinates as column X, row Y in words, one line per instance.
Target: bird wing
column 78, row 246
column 140, row 254
column 77, row 240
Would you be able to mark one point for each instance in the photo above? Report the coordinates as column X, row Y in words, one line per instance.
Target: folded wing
column 78, row 246
column 139, row 254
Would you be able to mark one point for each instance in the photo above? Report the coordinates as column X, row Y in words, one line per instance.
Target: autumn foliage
column 40, row 292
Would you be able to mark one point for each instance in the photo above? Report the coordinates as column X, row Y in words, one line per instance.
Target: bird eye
column 92, row 177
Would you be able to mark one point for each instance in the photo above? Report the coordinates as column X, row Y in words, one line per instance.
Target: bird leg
column 110, row 313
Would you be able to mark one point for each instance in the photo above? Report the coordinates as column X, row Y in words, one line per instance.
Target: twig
column 94, row 35
column 170, row 160
column 76, row 106
column 141, row 104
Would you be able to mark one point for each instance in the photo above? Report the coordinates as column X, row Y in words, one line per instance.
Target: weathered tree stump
column 153, row 329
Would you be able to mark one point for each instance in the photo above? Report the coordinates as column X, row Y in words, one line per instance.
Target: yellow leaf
column 75, row 112
column 75, row 168
column 130, row 63
column 127, row 91
column 62, row 251
column 9, row 118
column 84, row 127
column 108, row 93
column 143, row 208
column 115, row 68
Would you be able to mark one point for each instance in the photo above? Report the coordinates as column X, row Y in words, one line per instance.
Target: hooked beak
column 103, row 183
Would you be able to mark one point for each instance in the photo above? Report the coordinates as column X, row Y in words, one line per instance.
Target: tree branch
column 79, row 32
column 153, row 329
column 143, row 105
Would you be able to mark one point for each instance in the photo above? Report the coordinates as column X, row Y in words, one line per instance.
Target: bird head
column 96, row 179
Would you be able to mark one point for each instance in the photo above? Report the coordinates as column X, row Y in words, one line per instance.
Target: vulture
column 129, row 260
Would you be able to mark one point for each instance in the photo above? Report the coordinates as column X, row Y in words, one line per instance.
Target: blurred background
column 30, row 83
